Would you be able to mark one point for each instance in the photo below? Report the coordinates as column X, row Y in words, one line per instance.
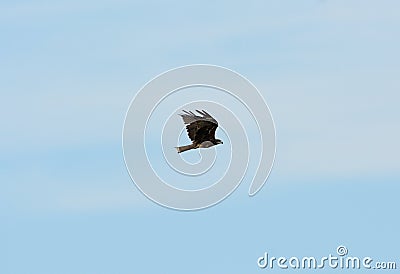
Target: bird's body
column 201, row 130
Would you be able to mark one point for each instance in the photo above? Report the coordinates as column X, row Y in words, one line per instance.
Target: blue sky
column 328, row 70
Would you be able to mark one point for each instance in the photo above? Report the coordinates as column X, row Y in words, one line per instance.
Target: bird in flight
column 201, row 130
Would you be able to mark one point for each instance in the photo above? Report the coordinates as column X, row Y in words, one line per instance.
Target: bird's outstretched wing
column 200, row 128
column 189, row 117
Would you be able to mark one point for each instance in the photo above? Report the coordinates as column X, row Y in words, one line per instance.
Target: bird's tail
column 184, row 148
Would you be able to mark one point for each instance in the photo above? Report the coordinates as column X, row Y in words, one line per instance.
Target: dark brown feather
column 200, row 131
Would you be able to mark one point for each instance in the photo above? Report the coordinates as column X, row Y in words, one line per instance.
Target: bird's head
column 218, row 141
